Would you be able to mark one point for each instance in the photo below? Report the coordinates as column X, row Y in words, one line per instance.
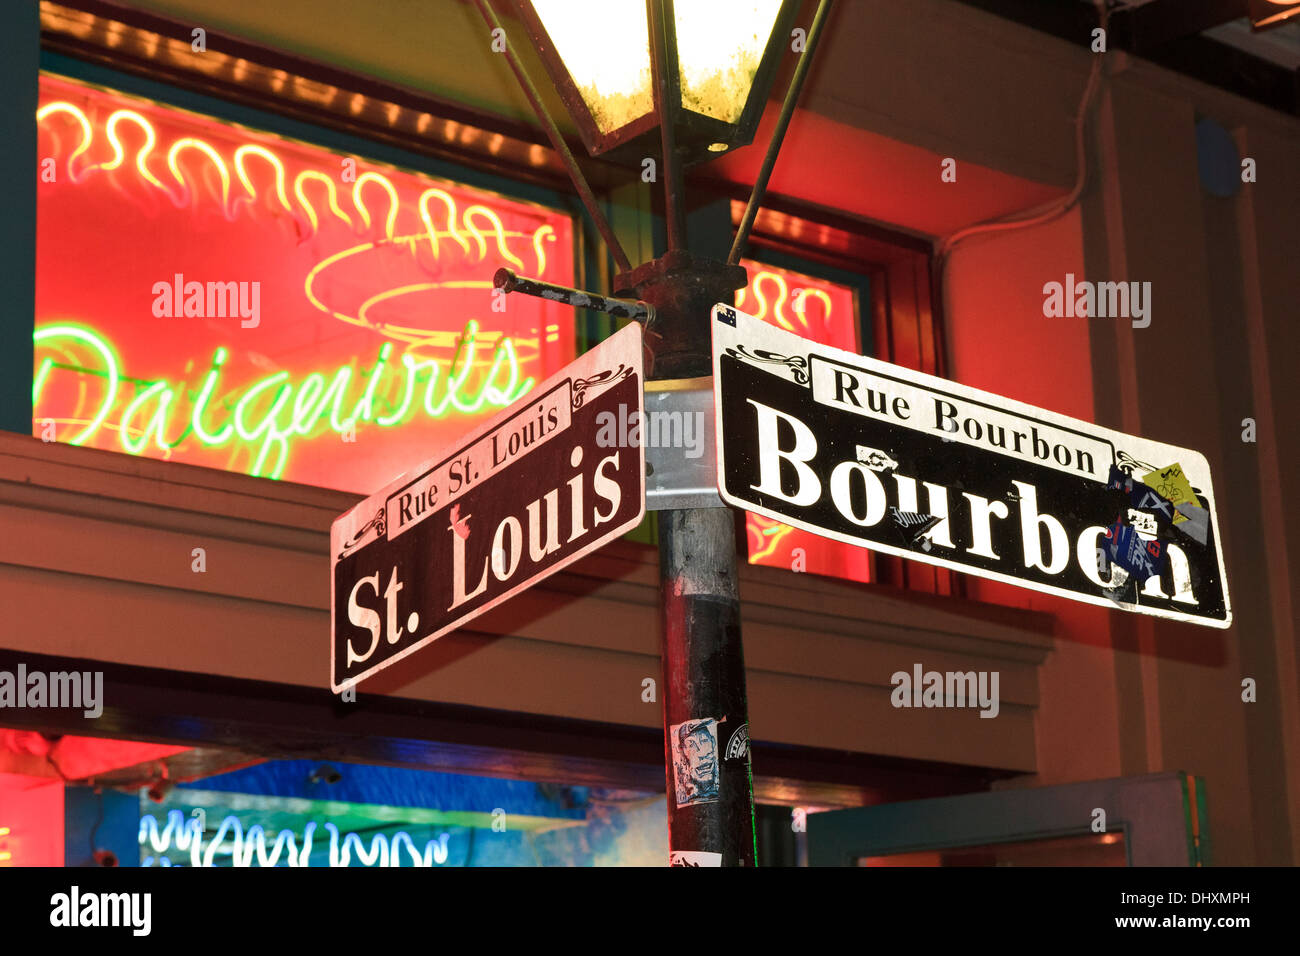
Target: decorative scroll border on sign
column 377, row 524
column 796, row 364
column 583, row 387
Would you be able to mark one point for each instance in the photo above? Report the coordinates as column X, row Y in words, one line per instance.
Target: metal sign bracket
column 681, row 454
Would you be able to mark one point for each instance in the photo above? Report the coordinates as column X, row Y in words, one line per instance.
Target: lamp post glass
column 718, row 58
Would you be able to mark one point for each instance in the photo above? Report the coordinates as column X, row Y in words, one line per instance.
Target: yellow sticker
column 1172, row 484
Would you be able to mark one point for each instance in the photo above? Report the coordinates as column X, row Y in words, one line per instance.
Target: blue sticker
column 1119, row 481
column 1148, row 499
column 1136, row 555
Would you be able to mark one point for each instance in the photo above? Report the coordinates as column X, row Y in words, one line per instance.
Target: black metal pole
column 663, row 66
column 706, row 714
column 508, row 281
column 778, row 135
column 706, row 710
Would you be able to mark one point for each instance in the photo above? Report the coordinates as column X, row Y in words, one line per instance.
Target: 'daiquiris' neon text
column 270, row 413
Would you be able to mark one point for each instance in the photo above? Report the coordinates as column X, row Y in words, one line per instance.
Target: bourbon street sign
column 873, row 454
column 528, row 493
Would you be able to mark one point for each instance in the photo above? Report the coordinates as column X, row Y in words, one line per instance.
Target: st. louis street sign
column 526, row 494
column 869, row 453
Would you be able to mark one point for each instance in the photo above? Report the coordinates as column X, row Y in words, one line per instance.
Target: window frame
column 902, row 317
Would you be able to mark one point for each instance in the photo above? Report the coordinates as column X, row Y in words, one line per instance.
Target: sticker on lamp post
column 869, row 453
column 524, row 495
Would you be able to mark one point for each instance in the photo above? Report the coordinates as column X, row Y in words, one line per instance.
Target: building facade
column 175, row 536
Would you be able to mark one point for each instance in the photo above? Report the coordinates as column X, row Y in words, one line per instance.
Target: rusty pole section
column 658, row 14
column 508, row 281
column 778, row 135
column 706, row 712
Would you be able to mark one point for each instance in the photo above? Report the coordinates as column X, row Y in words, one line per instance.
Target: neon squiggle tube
column 186, row 833
column 189, row 142
column 393, row 201
column 141, row 159
column 86, row 134
column 450, row 204
column 255, row 150
column 498, row 229
column 281, row 186
column 311, row 174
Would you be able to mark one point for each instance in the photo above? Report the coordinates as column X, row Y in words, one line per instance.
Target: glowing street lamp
column 715, row 62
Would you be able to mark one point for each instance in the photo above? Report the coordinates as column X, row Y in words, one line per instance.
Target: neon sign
column 218, row 296
column 297, row 409
column 824, row 312
column 188, row 833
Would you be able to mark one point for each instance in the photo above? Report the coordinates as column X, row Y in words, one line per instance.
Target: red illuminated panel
column 214, row 295
column 825, row 312
column 31, row 821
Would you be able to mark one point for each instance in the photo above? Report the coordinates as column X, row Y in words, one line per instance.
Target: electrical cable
column 1054, row 209
column 49, row 758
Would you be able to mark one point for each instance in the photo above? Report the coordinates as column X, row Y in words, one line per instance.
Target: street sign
column 898, row 461
column 524, row 495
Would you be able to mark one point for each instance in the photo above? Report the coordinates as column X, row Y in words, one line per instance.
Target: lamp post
column 1266, row 14
column 678, row 85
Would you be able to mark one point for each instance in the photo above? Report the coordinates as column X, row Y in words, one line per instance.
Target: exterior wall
column 1271, row 285
column 97, row 564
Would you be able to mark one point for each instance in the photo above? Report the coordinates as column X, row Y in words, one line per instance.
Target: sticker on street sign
column 524, row 495
column 869, row 453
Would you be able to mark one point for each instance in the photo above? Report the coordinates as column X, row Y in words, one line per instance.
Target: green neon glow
column 301, row 409
column 295, row 409
column 368, row 400
column 281, row 396
column 501, row 397
column 336, row 388
column 209, row 383
column 111, row 364
column 466, row 342
column 400, row 414
column 156, row 423
column 433, row 378
column 505, row 350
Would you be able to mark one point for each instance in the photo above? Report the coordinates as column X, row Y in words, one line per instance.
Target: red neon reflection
column 31, row 820
column 825, row 312
column 209, row 294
